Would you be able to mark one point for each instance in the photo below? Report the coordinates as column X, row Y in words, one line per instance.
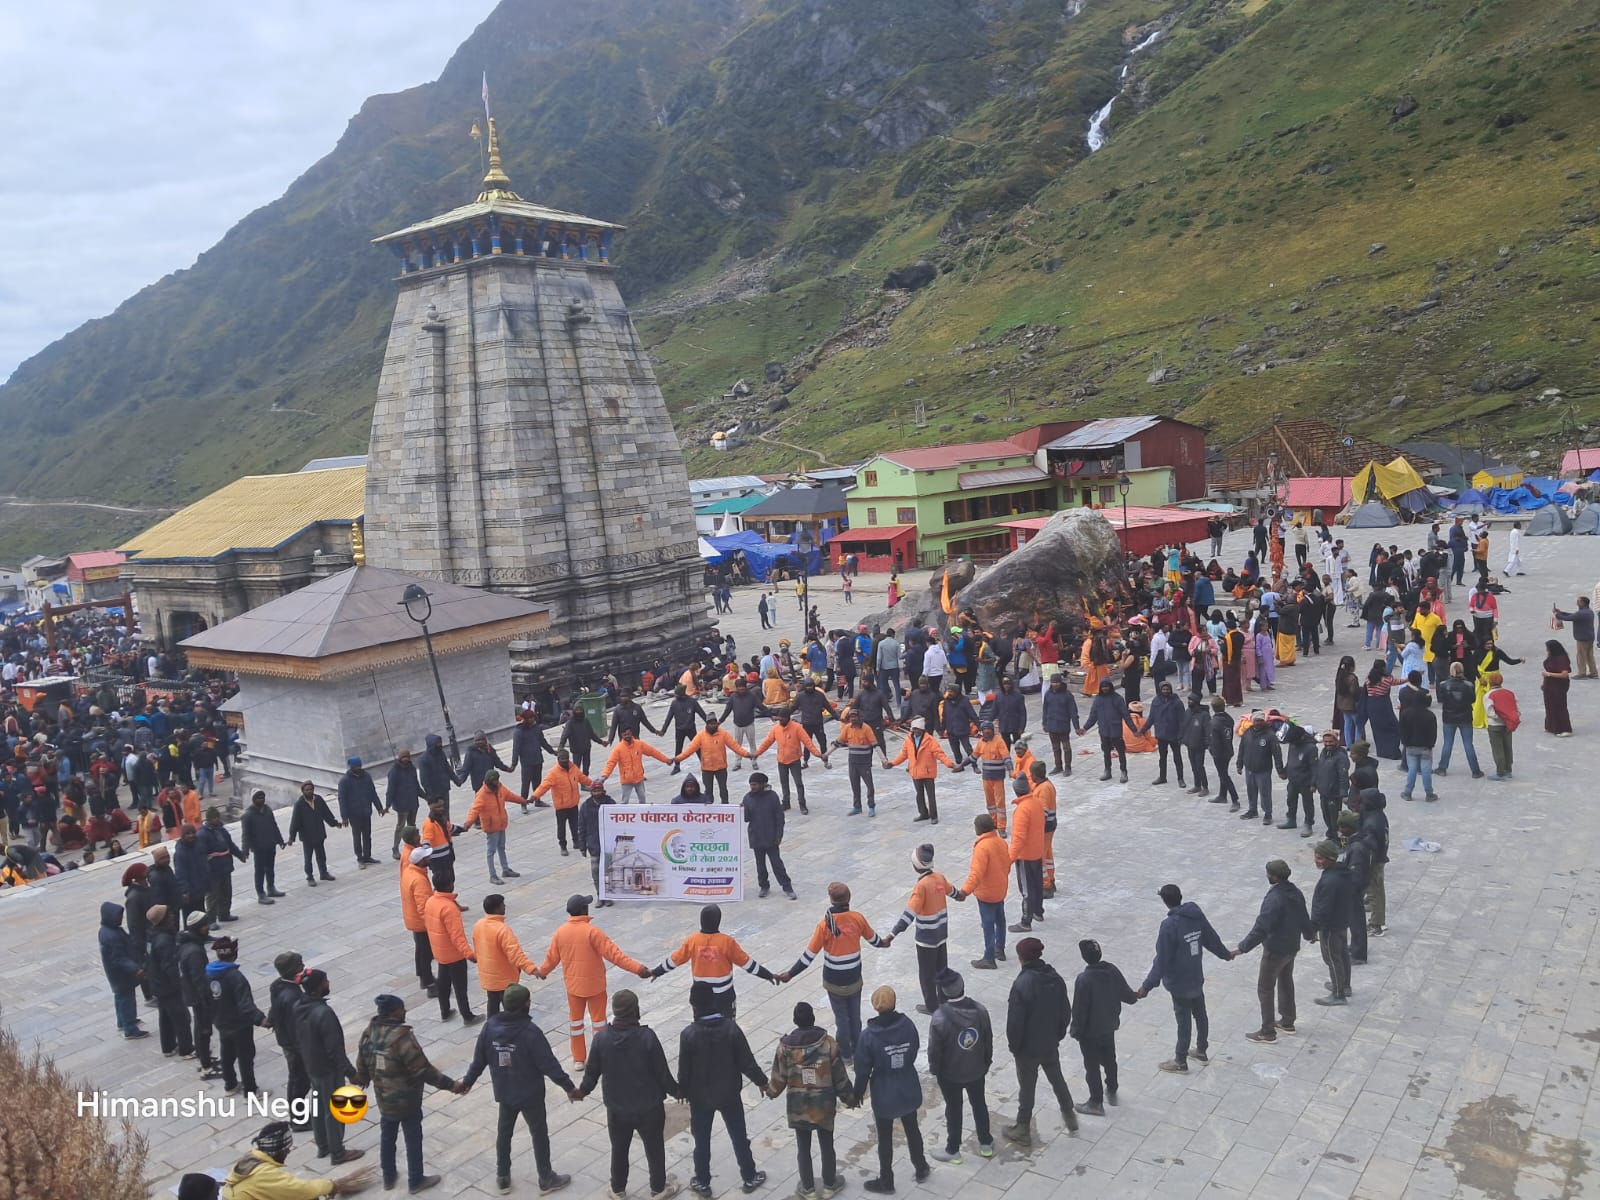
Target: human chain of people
column 1331, row 777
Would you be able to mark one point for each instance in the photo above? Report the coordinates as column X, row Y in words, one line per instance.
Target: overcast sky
column 133, row 135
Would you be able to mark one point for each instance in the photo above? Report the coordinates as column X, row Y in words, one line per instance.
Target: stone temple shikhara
column 520, row 442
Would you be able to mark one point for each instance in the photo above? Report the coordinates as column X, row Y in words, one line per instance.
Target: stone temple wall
column 520, row 443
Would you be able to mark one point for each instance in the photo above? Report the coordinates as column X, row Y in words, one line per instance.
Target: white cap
column 918, row 723
column 421, row 855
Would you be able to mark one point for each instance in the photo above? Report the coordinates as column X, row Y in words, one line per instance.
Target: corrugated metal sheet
column 258, row 512
column 982, row 479
column 1109, row 431
column 355, row 610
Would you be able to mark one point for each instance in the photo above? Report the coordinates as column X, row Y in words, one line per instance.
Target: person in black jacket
column 1219, row 742
column 1166, row 720
column 1331, row 778
column 435, row 773
column 1098, row 995
column 628, row 717
column 479, row 759
column 124, row 969
column 1109, row 713
column 528, row 748
column 137, row 898
column 1259, row 755
column 518, row 1058
column 578, row 736
column 960, row 1053
column 743, row 706
column 712, row 1055
column 192, row 964
column 1300, row 769
column 166, row 981
column 319, row 1036
column 1456, row 698
column 358, row 798
column 1330, row 917
column 1195, row 735
column 309, row 825
column 763, row 814
column 1010, row 711
column 682, row 712
column 283, row 1008
column 403, row 794
column 1279, row 926
column 234, row 1011
column 1419, row 733
column 220, row 850
column 1371, row 806
column 1038, row 1015
column 627, row 1061
column 1357, row 856
column 260, row 838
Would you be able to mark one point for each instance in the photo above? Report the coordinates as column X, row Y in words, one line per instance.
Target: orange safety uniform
column 790, row 740
column 712, row 958
column 582, row 952
column 1046, row 792
column 627, row 759
column 989, row 876
column 1027, row 829
column 435, row 834
column 415, row 888
column 922, row 762
column 928, row 910
column 993, row 757
column 488, row 811
column 713, row 749
column 852, row 735
column 446, row 935
column 1025, row 761
column 562, row 785
column 501, row 961
column 838, row 937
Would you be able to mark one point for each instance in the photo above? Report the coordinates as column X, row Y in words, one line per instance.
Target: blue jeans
column 1352, row 729
column 389, row 1129
column 1187, row 1009
column 1451, row 730
column 733, row 1121
column 1373, row 635
column 993, row 919
column 1418, row 759
column 493, row 842
column 127, row 1011
column 846, row 1021
column 205, row 780
column 889, row 682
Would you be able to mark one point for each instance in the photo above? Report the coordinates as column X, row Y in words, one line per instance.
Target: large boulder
column 1070, row 566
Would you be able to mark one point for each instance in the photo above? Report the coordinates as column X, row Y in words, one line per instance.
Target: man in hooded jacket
column 712, row 1055
column 1179, row 967
column 1038, row 1016
column 960, row 1053
column 1279, row 928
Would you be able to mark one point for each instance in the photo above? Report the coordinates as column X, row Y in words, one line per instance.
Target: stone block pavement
column 1463, row 1066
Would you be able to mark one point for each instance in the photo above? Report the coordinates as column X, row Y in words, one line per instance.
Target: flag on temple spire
column 486, row 113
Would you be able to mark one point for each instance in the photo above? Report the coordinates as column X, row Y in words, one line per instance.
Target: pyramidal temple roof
column 497, row 200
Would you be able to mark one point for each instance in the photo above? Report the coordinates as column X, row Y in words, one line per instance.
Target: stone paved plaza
column 1463, row 1065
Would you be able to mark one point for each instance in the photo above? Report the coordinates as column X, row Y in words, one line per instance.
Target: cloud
column 136, row 135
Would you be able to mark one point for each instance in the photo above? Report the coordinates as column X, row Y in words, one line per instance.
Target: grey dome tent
column 1588, row 521
column 1549, row 521
column 1374, row 514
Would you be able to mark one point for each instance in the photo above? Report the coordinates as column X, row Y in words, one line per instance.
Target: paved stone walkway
column 1463, row 1066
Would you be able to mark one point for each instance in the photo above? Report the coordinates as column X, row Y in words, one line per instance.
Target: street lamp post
column 1123, row 485
column 419, row 607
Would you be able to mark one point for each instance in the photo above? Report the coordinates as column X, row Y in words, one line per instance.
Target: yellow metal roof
column 258, row 512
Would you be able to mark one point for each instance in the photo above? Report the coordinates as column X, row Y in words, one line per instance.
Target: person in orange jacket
column 712, row 745
column 451, row 950
column 581, row 950
column 562, row 783
column 1046, row 791
column 712, row 955
column 838, row 937
column 791, row 741
column 627, row 759
column 191, row 807
column 1028, row 848
column 922, row 755
column 488, row 812
column 928, row 911
column 1024, row 761
column 994, row 759
column 501, row 961
column 859, row 741
column 439, row 832
column 415, row 888
column 988, row 880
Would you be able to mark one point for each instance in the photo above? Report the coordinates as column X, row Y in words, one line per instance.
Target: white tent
column 730, row 525
column 707, row 550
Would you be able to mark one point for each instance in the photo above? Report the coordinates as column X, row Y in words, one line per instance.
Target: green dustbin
column 593, row 707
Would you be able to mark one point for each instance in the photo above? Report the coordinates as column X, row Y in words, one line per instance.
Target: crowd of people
column 955, row 698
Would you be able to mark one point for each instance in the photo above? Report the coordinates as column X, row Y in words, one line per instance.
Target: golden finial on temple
column 495, row 181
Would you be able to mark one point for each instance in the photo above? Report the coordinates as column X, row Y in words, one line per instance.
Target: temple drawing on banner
column 632, row 872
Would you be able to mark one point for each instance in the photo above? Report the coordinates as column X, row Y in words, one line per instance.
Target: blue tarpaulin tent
column 760, row 554
column 1470, row 503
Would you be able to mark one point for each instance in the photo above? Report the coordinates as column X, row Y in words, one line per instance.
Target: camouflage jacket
column 809, row 1066
column 391, row 1062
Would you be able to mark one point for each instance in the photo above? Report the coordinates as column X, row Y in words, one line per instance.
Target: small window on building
column 1108, row 494
column 871, row 479
column 905, row 516
column 872, row 513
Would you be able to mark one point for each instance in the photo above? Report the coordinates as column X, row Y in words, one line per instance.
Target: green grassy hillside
column 1382, row 212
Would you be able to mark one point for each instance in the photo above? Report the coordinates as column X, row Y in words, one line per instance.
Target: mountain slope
column 776, row 160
